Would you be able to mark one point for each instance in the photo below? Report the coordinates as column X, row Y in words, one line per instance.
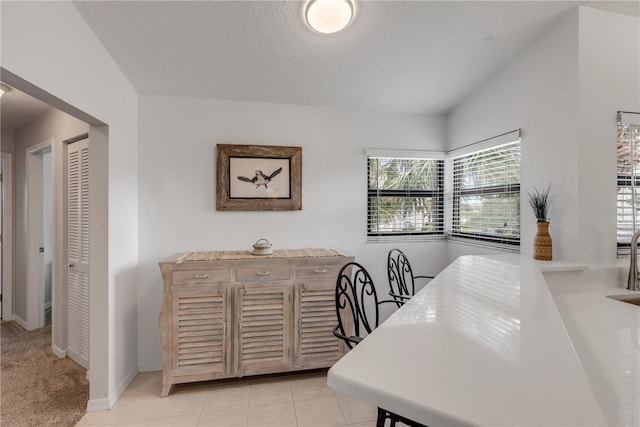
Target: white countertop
column 606, row 336
column 485, row 344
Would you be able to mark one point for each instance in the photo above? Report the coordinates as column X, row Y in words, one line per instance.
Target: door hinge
column 41, row 249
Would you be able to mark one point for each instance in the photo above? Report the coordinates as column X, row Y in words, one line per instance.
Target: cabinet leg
column 166, row 389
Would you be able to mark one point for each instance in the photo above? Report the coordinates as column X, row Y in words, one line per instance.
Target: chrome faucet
column 633, row 284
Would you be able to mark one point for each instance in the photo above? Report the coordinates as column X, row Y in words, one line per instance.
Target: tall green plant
column 539, row 201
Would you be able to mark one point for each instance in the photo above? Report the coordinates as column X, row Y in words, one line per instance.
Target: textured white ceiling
column 400, row 56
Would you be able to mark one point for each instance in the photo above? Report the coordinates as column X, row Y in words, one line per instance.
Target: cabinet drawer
column 257, row 274
column 200, row 276
column 318, row 272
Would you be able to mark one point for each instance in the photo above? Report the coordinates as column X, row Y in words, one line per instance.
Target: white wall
column 177, row 150
column 609, row 82
column 49, row 45
column 7, row 146
column 564, row 91
column 6, row 140
column 537, row 92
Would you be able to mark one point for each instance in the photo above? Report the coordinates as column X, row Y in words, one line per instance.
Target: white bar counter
column 605, row 334
column 482, row 344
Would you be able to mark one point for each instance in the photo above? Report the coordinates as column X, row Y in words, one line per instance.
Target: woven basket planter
column 542, row 244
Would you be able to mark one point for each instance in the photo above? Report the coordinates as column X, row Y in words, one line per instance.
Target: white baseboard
column 98, row 405
column 106, row 404
column 153, row 367
column 58, row 351
column 20, row 321
column 113, row 397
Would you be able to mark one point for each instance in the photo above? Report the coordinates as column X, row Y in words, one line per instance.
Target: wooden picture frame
column 258, row 178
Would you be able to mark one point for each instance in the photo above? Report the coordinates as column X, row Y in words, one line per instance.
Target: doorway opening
column 99, row 326
column 6, row 236
column 39, row 234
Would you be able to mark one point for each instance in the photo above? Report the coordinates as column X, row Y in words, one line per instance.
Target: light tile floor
column 301, row 399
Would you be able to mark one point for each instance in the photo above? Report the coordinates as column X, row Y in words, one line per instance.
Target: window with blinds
column 628, row 178
column 405, row 195
column 486, row 194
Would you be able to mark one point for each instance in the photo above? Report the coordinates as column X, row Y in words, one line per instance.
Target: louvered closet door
column 78, row 252
column 316, row 313
column 264, row 328
column 199, row 332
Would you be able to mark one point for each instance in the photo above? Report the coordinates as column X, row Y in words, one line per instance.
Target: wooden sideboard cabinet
column 230, row 313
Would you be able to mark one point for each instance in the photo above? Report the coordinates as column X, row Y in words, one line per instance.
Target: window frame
column 446, row 203
column 436, row 195
column 631, row 181
column 506, row 242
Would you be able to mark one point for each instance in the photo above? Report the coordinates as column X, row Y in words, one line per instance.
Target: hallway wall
column 59, row 126
column 6, row 140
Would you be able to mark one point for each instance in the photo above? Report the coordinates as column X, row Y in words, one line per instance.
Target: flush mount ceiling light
column 4, row 89
column 328, row 16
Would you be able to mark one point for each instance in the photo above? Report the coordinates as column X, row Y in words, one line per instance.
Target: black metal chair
column 401, row 278
column 356, row 304
column 357, row 311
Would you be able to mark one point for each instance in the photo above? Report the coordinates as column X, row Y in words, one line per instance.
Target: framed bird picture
column 258, row 178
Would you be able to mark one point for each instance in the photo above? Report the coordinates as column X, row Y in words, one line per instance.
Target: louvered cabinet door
column 78, row 252
column 264, row 328
column 199, row 336
column 316, row 346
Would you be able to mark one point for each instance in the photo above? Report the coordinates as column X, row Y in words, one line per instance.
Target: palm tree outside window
column 405, row 196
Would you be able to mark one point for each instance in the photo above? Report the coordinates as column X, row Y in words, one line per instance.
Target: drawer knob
column 200, row 276
column 324, row 270
column 260, row 273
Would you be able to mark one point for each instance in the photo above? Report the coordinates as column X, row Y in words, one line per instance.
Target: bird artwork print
column 260, row 178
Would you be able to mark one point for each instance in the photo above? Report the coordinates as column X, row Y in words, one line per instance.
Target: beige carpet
column 36, row 387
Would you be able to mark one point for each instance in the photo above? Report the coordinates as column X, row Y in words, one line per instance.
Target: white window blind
column 485, row 188
column 628, row 179
column 404, row 194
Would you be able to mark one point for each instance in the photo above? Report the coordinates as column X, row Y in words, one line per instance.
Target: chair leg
column 382, row 417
